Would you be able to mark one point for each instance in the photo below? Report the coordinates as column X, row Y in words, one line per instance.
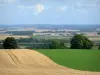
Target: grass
column 87, row 60
column 52, row 37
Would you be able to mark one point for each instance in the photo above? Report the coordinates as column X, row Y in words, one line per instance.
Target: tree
column 98, row 33
column 87, row 44
column 1, row 47
column 56, row 44
column 81, row 42
column 99, row 46
column 10, row 43
column 76, row 42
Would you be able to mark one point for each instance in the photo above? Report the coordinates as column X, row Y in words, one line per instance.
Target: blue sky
column 49, row 11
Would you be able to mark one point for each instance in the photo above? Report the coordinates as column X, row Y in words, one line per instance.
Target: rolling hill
column 30, row 62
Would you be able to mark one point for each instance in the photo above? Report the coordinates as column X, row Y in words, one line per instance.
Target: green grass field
column 52, row 37
column 87, row 60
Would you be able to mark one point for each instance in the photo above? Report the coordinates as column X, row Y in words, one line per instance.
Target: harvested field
column 95, row 39
column 2, row 37
column 29, row 62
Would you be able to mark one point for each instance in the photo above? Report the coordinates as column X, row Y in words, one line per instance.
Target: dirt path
column 29, row 62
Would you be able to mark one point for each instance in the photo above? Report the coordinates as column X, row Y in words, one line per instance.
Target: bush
column 10, row 43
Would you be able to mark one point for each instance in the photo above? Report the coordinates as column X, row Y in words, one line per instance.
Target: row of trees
column 77, row 42
column 11, row 43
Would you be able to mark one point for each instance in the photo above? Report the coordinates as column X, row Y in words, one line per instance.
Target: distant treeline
column 41, row 43
column 20, row 32
column 33, row 43
column 77, row 42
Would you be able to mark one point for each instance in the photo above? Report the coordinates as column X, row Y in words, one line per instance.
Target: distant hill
column 52, row 26
column 77, row 27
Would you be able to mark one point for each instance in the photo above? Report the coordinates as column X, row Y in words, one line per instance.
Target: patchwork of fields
column 93, row 38
column 87, row 60
column 2, row 37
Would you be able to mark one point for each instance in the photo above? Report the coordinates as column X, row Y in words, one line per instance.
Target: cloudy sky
column 49, row 11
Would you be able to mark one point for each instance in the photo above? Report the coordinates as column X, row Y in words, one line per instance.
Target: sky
column 49, row 12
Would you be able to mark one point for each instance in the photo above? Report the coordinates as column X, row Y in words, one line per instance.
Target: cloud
column 21, row 6
column 87, row 3
column 39, row 8
column 62, row 9
column 36, row 9
column 82, row 11
column 3, row 2
column 10, row 1
column 27, row 7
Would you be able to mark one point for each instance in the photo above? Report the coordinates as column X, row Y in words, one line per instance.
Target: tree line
column 77, row 42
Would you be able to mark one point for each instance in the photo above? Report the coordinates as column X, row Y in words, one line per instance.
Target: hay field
column 2, row 37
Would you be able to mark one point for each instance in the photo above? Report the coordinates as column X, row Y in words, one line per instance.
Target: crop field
column 2, row 37
column 93, row 38
column 52, row 37
column 87, row 60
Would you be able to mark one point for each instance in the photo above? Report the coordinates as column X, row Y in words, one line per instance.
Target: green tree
column 76, row 42
column 56, row 44
column 1, row 47
column 81, row 42
column 99, row 46
column 10, row 43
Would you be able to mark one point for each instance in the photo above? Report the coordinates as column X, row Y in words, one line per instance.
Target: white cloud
column 9, row 1
column 3, row 2
column 23, row 6
column 62, row 9
column 39, row 8
column 87, row 3
column 82, row 11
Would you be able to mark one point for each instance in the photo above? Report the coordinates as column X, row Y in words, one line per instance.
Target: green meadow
column 87, row 60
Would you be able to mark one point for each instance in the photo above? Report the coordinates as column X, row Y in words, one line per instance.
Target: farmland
column 93, row 38
column 2, row 37
column 30, row 62
column 87, row 60
column 52, row 37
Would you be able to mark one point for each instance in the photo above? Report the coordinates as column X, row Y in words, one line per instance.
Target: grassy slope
column 77, row 59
